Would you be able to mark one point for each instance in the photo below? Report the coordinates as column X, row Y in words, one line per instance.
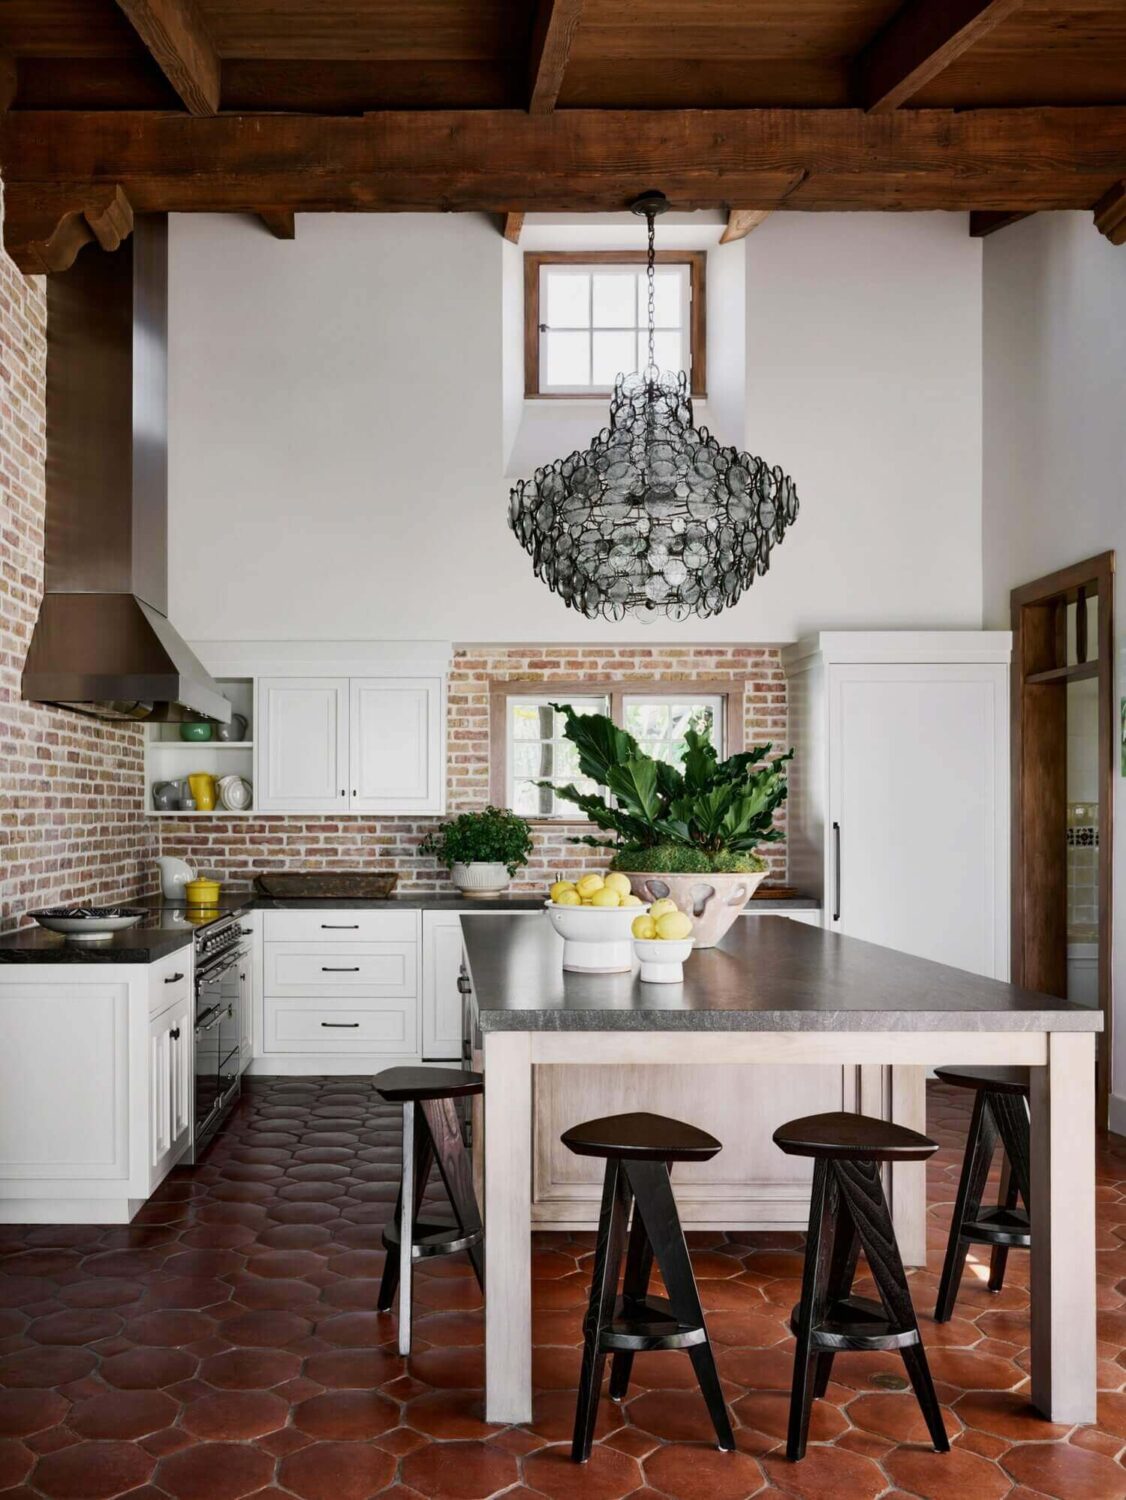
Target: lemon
column 659, row 908
column 617, row 882
column 559, row 887
column 588, row 884
column 632, row 900
column 644, row 927
column 673, row 925
column 605, row 897
column 569, row 897
column 585, row 901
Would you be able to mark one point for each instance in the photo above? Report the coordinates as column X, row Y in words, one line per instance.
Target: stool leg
column 842, row 1273
column 457, row 1173
column 863, row 1192
column 971, row 1186
column 823, row 1210
column 608, row 1251
column 639, row 1265
column 657, row 1206
column 1010, row 1113
column 999, row 1255
column 422, row 1159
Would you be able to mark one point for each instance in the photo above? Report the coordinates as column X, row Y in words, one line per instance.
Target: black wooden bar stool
column 1000, row 1113
column 431, row 1132
column 849, row 1213
column 639, row 1150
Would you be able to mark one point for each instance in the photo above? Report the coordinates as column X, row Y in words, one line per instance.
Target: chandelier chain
column 650, row 273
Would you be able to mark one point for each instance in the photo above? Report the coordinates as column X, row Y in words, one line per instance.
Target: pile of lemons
column 595, row 890
column 663, row 921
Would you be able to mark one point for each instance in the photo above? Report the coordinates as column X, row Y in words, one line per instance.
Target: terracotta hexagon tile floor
column 226, row 1344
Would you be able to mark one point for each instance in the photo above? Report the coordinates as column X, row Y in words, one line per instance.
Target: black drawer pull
column 173, row 978
column 464, row 986
column 341, row 1025
column 326, row 969
column 175, row 1034
column 340, row 927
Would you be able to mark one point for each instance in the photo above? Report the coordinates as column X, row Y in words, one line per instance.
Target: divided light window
column 535, row 749
column 586, row 319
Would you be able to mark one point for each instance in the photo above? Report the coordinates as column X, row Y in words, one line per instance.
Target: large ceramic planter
column 712, row 901
column 480, row 879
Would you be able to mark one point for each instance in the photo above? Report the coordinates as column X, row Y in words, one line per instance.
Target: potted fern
column 481, row 850
column 687, row 832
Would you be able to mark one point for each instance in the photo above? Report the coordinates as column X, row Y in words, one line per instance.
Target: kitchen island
column 775, row 992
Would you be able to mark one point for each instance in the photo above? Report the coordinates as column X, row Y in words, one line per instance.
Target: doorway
column 1064, row 734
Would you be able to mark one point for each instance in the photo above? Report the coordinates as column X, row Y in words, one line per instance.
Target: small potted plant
column 481, row 850
column 688, row 833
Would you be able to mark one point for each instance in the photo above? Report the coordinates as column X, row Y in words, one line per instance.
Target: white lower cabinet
column 441, row 996
column 170, row 1088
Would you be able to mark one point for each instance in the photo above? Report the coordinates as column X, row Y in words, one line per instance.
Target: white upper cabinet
column 303, row 744
column 397, row 765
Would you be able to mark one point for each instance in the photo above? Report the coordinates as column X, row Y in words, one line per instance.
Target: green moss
column 683, row 859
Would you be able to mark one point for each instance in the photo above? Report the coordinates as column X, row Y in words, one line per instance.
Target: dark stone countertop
column 153, row 938
column 769, row 975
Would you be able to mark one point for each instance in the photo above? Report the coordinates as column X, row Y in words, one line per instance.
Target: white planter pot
column 712, row 901
column 480, row 879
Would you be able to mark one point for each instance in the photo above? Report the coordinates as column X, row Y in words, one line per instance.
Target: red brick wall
column 71, row 789
column 237, row 848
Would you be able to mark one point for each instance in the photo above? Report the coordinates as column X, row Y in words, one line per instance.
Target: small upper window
column 586, row 319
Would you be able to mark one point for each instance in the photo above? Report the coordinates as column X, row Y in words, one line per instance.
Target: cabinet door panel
column 441, row 998
column 303, row 750
column 918, row 787
column 396, row 743
column 315, row 1023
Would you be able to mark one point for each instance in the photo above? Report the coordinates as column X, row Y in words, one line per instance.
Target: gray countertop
column 768, row 975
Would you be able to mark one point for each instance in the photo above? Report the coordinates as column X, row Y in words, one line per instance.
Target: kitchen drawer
column 333, row 925
column 379, row 970
column 170, row 980
column 325, row 1024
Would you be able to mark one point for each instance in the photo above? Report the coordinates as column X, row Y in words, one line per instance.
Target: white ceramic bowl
column 662, row 960
column 596, row 939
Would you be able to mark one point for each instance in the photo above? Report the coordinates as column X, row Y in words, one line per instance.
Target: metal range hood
column 103, row 643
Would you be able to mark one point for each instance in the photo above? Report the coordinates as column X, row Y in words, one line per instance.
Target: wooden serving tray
column 360, row 885
column 775, row 893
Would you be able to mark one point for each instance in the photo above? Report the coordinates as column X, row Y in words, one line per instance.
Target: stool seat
column 992, row 1080
column 841, row 1136
column 641, row 1137
column 404, row 1085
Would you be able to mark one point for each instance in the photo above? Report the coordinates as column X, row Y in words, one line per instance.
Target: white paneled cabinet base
column 96, row 1070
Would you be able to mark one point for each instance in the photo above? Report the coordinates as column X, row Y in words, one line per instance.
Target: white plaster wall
column 1055, row 449
column 339, row 410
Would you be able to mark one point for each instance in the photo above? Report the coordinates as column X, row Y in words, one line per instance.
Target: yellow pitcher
column 202, row 784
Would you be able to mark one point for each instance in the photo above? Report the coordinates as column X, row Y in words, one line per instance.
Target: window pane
column 614, row 299
column 568, row 358
column 666, row 294
column 613, row 356
column 568, row 299
column 539, row 752
column 669, row 352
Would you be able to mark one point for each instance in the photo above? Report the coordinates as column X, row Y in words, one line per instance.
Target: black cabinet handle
column 836, row 872
column 340, row 927
column 173, row 978
column 464, row 985
column 341, row 1025
column 175, row 1034
column 355, row 969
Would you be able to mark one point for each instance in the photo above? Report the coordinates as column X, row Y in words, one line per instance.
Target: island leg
column 909, row 1178
column 508, row 1226
column 1063, row 1229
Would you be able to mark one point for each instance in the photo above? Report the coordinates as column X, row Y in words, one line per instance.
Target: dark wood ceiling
column 508, row 105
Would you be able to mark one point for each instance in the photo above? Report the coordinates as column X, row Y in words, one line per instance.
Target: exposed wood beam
column 552, row 34
column 1110, row 214
column 741, row 221
column 9, row 79
column 577, row 160
column 174, row 33
column 512, row 226
column 49, row 238
column 279, row 221
column 919, row 41
column 983, row 222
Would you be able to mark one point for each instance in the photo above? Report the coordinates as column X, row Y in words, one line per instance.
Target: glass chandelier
column 655, row 517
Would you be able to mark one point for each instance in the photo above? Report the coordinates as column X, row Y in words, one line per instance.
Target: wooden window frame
column 534, row 260
column 734, row 695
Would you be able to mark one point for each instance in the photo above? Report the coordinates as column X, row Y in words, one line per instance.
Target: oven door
column 216, row 1038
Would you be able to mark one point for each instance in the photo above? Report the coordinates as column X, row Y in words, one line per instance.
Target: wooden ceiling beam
column 175, row 35
column 45, row 234
column 553, row 31
column 741, row 222
column 512, row 226
column 1110, row 214
column 918, row 43
column 9, row 80
column 279, row 221
column 984, row 222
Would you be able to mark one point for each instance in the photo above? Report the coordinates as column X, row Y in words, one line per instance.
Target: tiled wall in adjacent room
column 1082, row 867
column 236, row 849
column 71, row 788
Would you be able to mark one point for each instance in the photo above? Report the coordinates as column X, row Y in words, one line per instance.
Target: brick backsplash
column 71, row 788
column 237, row 849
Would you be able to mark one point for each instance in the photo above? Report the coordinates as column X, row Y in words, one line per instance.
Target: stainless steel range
column 222, row 949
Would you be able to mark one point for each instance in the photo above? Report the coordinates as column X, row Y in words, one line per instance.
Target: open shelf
column 201, row 744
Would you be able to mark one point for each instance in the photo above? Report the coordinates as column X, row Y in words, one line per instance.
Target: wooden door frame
column 1040, row 675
